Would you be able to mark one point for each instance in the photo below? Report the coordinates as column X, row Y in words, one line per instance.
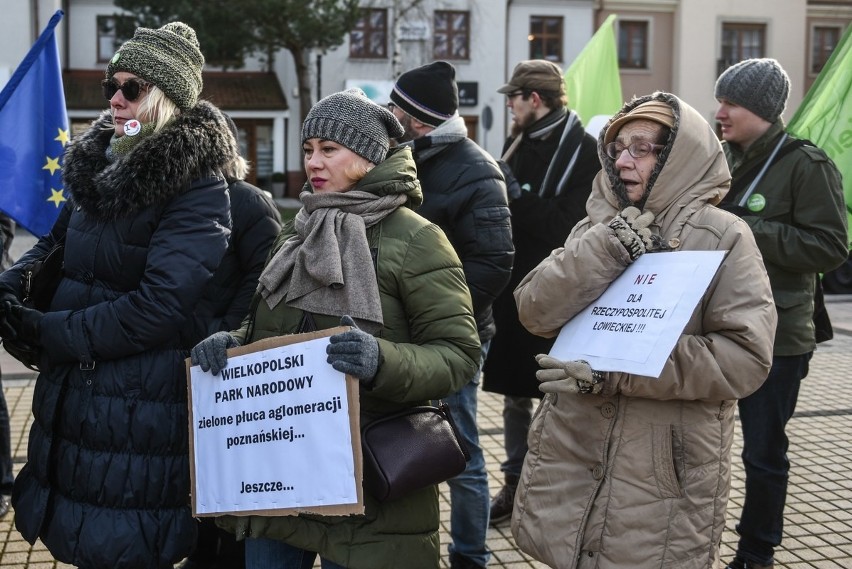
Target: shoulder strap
column 751, row 176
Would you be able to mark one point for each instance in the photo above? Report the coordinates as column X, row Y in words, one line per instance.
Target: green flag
column 825, row 116
column 592, row 81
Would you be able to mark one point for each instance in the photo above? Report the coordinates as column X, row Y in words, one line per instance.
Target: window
column 112, row 32
column 824, row 41
column 741, row 41
column 452, row 35
column 546, row 38
column 633, row 45
column 369, row 38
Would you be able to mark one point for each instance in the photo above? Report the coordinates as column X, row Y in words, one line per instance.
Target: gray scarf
column 449, row 132
column 327, row 268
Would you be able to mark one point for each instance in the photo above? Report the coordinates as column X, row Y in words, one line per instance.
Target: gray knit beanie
column 351, row 119
column 759, row 85
column 169, row 57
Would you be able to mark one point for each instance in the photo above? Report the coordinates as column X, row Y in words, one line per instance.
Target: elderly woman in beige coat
column 625, row 470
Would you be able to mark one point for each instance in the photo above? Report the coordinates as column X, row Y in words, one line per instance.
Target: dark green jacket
column 801, row 230
column 430, row 348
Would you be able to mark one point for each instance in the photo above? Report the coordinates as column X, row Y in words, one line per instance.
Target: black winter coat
column 539, row 225
column 106, row 483
column 464, row 194
column 256, row 223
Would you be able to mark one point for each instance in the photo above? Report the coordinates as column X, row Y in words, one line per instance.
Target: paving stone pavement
column 818, row 529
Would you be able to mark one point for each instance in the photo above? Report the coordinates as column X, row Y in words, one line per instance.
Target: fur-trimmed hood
column 196, row 143
column 691, row 167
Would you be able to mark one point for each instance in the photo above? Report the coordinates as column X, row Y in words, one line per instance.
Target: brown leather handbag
column 411, row 450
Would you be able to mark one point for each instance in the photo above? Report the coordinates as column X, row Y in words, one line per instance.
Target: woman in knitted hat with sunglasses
column 627, row 470
column 356, row 248
column 106, row 483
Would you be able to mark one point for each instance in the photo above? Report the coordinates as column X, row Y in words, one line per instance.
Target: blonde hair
column 355, row 172
column 236, row 169
column 155, row 107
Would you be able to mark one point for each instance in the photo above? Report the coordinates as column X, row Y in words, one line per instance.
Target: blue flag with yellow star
column 33, row 135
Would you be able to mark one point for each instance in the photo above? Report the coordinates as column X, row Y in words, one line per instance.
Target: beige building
column 674, row 45
column 683, row 45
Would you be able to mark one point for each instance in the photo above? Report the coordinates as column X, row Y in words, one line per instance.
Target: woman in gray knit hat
column 357, row 255
column 106, row 483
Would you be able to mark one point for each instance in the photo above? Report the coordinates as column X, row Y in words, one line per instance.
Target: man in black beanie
column 463, row 193
column 789, row 192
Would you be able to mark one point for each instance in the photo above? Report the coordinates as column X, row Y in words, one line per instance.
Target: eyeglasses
column 131, row 89
column 391, row 106
column 514, row 94
column 638, row 149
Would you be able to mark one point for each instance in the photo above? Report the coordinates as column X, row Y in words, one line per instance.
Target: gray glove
column 354, row 352
column 211, row 353
column 575, row 376
column 631, row 228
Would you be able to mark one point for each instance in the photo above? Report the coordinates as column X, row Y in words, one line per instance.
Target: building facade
column 674, row 45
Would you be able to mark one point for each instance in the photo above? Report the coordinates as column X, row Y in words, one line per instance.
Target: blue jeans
column 763, row 416
column 517, row 416
column 470, row 503
column 263, row 553
column 7, row 478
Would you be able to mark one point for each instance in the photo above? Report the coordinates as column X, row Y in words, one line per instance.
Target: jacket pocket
column 662, row 447
column 493, row 228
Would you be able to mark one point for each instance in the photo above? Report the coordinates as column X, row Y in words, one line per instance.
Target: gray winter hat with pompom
column 352, row 120
column 168, row 57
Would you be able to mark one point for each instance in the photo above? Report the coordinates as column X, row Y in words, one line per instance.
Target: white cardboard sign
column 634, row 325
column 275, row 432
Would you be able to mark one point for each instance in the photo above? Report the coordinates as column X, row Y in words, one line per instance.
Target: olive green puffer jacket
column 430, row 348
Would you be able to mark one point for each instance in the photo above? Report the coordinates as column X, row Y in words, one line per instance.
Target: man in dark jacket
column 463, row 193
column 790, row 194
column 255, row 225
column 550, row 162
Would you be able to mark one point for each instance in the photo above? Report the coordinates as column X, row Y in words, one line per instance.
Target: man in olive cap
column 549, row 162
column 789, row 192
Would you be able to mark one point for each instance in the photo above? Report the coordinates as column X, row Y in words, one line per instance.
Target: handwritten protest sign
column 634, row 325
column 276, row 432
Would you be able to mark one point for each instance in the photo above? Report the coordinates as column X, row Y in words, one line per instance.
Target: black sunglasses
column 131, row 89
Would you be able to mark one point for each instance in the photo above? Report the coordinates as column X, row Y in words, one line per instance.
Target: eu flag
column 33, row 135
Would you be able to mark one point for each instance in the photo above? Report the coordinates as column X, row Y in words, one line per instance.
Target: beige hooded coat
column 639, row 476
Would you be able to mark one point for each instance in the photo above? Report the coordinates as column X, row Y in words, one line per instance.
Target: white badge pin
column 132, row 127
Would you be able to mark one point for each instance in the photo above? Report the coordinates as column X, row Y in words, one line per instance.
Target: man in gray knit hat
column 789, row 192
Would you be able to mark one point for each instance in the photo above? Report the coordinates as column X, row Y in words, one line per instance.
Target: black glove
column 631, row 228
column 211, row 353
column 513, row 188
column 354, row 352
column 7, row 332
column 26, row 323
column 737, row 210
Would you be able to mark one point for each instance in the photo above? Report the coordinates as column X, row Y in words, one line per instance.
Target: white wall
column 18, row 32
column 82, row 25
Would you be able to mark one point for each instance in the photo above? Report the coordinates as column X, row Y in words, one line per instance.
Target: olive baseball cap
column 536, row 75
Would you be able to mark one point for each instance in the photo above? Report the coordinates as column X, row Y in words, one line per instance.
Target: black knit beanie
column 352, row 120
column 428, row 93
column 759, row 85
column 169, row 57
